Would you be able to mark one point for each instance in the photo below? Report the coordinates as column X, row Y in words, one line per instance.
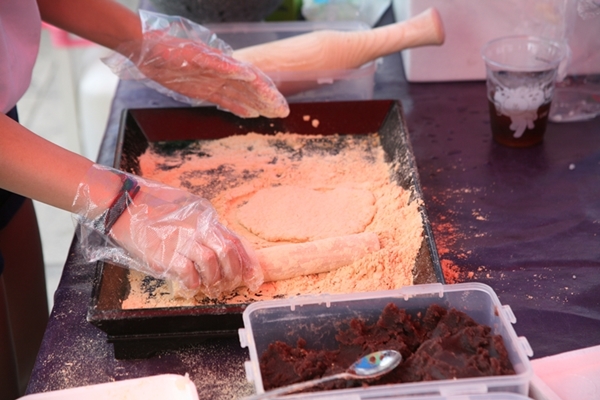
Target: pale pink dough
column 300, row 214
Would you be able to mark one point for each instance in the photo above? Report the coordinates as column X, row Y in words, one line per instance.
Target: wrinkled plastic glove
column 164, row 232
column 185, row 61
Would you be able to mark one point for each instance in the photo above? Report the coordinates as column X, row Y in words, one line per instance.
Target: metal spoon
column 370, row 366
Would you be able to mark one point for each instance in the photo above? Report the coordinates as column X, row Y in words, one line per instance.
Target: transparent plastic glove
column 185, row 61
column 588, row 8
column 165, row 232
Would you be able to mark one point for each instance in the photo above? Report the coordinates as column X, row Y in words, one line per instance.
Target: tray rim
column 105, row 319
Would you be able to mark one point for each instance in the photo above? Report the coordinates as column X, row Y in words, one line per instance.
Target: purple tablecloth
column 524, row 221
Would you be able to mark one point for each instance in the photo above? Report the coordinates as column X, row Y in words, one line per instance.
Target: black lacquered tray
column 139, row 333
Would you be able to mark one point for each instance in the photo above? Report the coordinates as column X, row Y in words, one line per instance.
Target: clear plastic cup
column 521, row 73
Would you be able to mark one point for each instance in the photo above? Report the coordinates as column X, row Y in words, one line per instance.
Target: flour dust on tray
column 291, row 188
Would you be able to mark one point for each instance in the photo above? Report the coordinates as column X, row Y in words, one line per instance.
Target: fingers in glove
column 180, row 270
column 231, row 266
column 251, row 99
column 219, row 64
column 224, row 102
column 206, row 263
column 262, row 95
column 175, row 54
column 188, row 276
column 221, row 240
column 252, row 274
column 200, row 71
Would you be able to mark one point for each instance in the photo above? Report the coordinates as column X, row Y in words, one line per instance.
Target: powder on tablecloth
column 230, row 171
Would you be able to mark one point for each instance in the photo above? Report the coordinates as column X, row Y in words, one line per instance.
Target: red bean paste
column 441, row 344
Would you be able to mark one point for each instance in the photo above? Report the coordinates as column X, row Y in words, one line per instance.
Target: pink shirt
column 20, row 30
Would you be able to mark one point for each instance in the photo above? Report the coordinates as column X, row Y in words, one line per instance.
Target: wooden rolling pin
column 337, row 50
column 292, row 260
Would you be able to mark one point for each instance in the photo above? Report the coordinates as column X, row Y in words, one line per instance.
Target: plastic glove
column 164, row 232
column 185, row 61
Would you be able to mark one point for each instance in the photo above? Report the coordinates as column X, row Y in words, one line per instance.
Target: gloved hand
column 185, row 61
column 162, row 231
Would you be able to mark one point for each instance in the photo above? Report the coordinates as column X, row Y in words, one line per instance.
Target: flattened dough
column 298, row 214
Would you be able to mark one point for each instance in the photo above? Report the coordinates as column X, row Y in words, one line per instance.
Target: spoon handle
column 297, row 387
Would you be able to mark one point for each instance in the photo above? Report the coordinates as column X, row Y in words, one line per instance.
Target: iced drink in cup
column 521, row 72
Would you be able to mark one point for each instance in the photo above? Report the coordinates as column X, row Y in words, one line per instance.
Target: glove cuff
column 129, row 188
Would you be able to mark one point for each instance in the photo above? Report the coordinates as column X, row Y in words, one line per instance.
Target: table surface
column 524, row 221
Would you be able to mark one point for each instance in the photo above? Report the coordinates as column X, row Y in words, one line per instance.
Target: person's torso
column 20, row 29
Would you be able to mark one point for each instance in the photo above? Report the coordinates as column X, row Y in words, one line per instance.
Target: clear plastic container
column 303, row 86
column 315, row 316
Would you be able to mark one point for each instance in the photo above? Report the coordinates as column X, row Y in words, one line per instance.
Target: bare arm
column 36, row 168
column 105, row 22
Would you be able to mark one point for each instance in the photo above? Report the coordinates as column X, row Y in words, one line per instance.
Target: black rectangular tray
column 137, row 333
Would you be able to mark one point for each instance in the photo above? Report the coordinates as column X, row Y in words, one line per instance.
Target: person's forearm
column 105, row 22
column 36, row 168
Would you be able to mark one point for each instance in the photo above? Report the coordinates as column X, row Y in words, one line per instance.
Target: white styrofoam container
column 158, row 387
column 311, row 85
column 573, row 375
column 469, row 24
column 269, row 321
column 487, row 396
